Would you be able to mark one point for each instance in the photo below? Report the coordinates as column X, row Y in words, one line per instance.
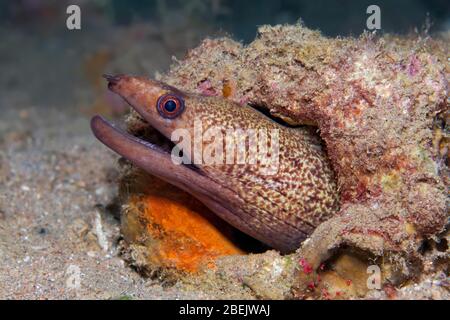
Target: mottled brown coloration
column 374, row 100
column 279, row 209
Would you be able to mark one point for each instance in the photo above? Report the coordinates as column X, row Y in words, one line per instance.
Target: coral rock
column 374, row 101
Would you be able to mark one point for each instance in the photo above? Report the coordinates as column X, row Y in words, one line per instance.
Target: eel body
column 277, row 190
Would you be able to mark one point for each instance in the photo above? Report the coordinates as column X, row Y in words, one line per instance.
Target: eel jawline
column 144, row 154
column 159, row 163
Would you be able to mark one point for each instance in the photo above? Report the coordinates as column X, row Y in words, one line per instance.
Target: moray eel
column 280, row 207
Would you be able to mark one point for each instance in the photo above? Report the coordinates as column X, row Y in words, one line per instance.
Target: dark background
column 240, row 18
column 45, row 64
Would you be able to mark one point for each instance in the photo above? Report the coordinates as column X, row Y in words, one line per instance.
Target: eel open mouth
column 149, row 156
column 117, row 139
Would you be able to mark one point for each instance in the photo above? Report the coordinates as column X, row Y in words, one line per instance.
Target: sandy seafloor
column 56, row 182
column 58, row 236
column 59, row 233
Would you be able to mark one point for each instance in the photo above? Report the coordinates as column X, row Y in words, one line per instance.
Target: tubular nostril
column 112, row 80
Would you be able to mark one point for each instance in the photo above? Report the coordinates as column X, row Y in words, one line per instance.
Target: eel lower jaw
column 122, row 142
column 155, row 160
column 149, row 156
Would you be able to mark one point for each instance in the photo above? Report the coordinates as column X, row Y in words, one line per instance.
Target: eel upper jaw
column 154, row 160
column 149, row 156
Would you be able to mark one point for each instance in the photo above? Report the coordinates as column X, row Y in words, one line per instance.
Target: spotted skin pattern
column 280, row 209
column 291, row 202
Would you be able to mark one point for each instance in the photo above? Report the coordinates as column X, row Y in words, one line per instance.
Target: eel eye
column 170, row 106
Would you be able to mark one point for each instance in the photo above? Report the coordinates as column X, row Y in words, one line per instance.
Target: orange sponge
column 176, row 229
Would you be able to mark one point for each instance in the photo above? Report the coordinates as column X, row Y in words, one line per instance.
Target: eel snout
column 118, row 83
column 144, row 154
